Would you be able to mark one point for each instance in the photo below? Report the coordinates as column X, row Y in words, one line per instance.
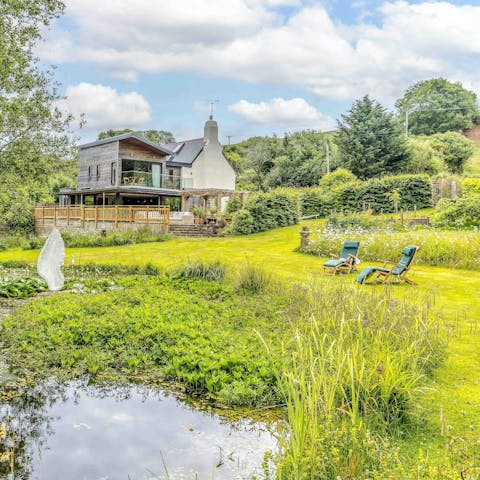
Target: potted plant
column 200, row 215
column 212, row 215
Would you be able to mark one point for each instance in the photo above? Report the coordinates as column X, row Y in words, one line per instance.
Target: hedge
column 278, row 208
column 415, row 191
column 313, row 201
column 283, row 207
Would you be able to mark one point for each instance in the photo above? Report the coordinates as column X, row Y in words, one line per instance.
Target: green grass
column 450, row 401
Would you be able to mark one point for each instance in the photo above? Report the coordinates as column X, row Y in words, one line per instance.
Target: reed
column 352, row 370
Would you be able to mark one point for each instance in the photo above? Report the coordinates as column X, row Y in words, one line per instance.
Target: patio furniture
column 398, row 272
column 346, row 262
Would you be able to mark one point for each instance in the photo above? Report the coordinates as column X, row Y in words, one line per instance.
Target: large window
column 138, row 172
column 149, row 174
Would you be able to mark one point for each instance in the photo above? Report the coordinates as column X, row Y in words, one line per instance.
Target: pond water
column 78, row 432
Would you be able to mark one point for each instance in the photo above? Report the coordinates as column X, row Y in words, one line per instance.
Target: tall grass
column 213, row 271
column 252, row 279
column 459, row 249
column 354, row 368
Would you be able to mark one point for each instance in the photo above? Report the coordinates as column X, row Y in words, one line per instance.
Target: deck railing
column 101, row 214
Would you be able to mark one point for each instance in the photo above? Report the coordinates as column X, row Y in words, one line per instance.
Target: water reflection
column 84, row 432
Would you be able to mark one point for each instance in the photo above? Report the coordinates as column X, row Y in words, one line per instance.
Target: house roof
column 132, row 138
column 184, row 153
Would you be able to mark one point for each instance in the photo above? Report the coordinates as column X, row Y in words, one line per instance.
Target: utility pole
column 229, row 138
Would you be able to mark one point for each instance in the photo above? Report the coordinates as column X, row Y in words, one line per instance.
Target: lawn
column 450, row 400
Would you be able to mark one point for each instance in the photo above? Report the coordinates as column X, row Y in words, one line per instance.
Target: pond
column 78, row 432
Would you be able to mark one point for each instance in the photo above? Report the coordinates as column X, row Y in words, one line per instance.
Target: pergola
column 207, row 194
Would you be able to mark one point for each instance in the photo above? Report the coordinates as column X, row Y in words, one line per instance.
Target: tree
column 259, row 162
column 33, row 143
column 300, row 161
column 422, row 156
column 438, row 106
column 370, row 141
column 454, row 149
column 155, row 136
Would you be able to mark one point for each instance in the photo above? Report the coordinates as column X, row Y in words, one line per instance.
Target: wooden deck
column 100, row 217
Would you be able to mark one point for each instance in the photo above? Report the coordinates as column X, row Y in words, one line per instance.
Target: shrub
column 278, row 208
column 458, row 213
column 313, row 201
column 347, row 198
column 234, row 204
column 17, row 212
column 242, row 223
column 415, row 192
column 211, row 271
column 454, row 149
column 366, row 221
column 252, row 279
column 471, row 187
column 337, row 178
column 422, row 156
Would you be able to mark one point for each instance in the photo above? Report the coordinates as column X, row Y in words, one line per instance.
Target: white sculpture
column 51, row 259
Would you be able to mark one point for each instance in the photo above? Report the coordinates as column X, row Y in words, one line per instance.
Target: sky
column 268, row 66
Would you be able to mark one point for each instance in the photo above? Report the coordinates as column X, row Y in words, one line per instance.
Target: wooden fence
column 113, row 214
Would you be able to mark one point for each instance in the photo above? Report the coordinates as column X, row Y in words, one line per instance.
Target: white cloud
column 296, row 113
column 251, row 41
column 104, row 107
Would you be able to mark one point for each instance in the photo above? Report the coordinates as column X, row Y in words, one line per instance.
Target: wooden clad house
column 129, row 170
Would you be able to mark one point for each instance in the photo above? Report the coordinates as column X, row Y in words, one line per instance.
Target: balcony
column 135, row 178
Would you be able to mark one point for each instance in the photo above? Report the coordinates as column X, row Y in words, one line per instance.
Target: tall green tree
column 259, row 162
column 155, row 136
column 33, row 143
column 300, row 161
column 370, row 140
column 437, row 106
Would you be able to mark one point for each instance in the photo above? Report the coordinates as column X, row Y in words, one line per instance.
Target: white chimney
column 210, row 131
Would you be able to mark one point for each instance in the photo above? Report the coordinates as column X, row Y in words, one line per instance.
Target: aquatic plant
column 20, row 287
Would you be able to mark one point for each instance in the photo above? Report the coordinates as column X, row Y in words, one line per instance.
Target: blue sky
column 273, row 65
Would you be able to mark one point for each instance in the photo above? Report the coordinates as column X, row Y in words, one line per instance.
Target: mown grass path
column 455, row 388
